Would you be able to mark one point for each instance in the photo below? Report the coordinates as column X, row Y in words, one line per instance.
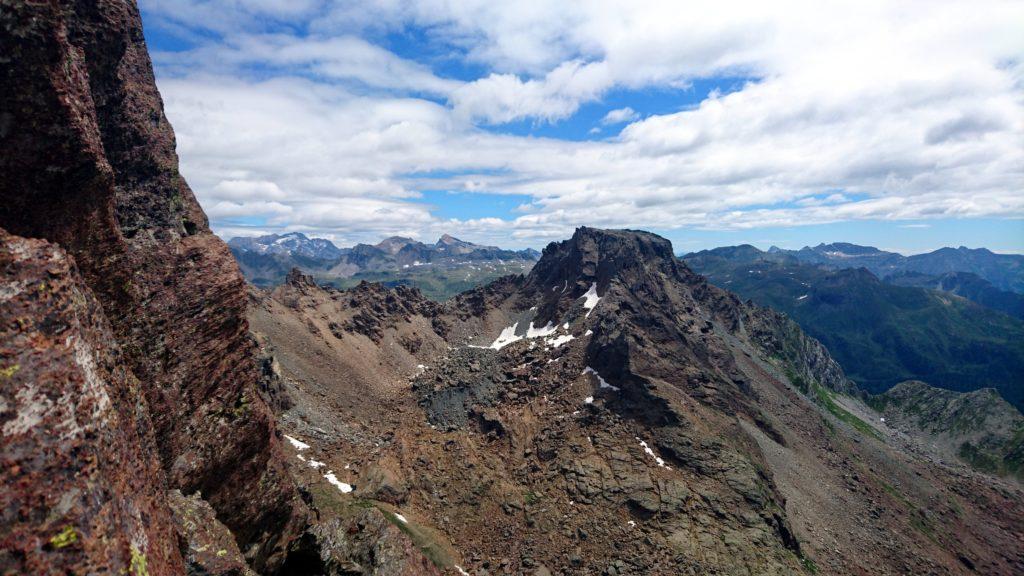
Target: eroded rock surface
column 82, row 486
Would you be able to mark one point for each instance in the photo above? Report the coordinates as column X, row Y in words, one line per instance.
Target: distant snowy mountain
column 291, row 244
column 266, row 260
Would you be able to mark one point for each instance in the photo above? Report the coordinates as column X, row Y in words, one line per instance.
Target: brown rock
column 81, row 481
column 383, row 481
column 92, row 165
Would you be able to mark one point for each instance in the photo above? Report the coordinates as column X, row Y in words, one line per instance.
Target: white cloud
column 338, row 58
column 619, row 116
column 501, row 98
column 859, row 110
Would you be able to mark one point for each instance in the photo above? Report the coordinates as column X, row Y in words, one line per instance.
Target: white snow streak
column 507, row 336
column 559, row 340
column 603, row 383
column 345, row 488
column 298, row 444
column 591, row 299
column 547, row 330
column 651, row 453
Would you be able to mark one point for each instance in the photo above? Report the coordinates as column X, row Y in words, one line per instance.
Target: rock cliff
column 89, row 163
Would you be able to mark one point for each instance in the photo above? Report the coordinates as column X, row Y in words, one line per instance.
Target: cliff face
column 89, row 163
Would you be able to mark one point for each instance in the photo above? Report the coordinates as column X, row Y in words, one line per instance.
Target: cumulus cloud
column 619, row 116
column 854, row 110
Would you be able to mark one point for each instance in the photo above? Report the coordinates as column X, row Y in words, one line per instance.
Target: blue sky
column 712, row 123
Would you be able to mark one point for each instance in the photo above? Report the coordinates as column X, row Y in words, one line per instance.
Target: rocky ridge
column 978, row 427
column 613, row 413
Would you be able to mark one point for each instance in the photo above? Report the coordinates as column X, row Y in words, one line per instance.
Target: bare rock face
column 210, row 549
column 83, row 489
column 89, row 163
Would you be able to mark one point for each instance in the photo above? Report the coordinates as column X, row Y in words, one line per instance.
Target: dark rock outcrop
column 209, row 548
column 89, row 163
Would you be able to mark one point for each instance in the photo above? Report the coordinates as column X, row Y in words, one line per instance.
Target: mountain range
column 1003, row 271
column 441, row 269
column 614, row 410
column 607, row 411
column 881, row 333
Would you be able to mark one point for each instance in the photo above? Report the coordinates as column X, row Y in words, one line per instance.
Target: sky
column 897, row 124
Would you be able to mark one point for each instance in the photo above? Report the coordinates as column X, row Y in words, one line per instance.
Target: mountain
column 1003, row 271
column 611, row 412
column 290, row 244
column 966, row 285
column 978, row 427
column 441, row 269
column 880, row 333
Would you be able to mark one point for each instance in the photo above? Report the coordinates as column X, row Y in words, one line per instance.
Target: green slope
column 880, row 333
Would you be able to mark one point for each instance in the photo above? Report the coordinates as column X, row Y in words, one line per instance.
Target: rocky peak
column 596, row 255
column 297, row 279
column 846, row 248
column 595, row 259
column 393, row 244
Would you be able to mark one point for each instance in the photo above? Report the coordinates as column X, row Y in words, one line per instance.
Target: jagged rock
column 370, row 544
column 383, row 481
column 210, row 548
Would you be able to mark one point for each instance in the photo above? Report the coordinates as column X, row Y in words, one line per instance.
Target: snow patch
column 401, row 518
column 547, row 330
column 651, row 453
column 345, row 488
column 601, row 381
column 314, row 464
column 588, row 333
column 298, row 444
column 461, row 571
column 591, row 298
column 507, row 336
column 559, row 340
column 588, row 400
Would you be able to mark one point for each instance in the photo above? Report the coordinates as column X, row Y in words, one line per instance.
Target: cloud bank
column 334, row 117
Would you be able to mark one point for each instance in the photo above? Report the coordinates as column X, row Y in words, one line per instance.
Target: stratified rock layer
column 89, row 162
